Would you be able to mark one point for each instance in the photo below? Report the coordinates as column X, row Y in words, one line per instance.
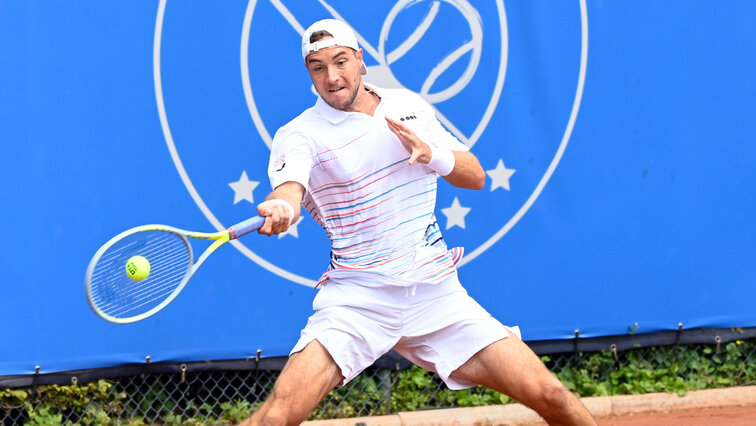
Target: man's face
column 335, row 73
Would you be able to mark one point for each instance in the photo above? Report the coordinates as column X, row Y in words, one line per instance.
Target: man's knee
column 559, row 406
column 553, row 392
column 274, row 415
column 276, row 411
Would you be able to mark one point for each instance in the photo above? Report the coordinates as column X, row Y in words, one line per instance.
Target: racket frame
column 220, row 238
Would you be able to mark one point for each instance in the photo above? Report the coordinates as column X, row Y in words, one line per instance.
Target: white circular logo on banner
column 452, row 53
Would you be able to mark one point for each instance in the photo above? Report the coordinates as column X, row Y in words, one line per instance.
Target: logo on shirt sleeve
column 280, row 163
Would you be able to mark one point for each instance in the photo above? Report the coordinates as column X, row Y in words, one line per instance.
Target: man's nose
column 332, row 74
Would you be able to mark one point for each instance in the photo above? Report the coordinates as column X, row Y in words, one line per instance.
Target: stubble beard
column 349, row 102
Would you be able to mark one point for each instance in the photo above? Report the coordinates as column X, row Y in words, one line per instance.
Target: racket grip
column 243, row 228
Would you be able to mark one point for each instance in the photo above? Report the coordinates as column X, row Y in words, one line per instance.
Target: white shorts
column 436, row 326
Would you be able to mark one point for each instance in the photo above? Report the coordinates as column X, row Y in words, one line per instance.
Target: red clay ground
column 713, row 407
column 724, row 416
column 728, row 416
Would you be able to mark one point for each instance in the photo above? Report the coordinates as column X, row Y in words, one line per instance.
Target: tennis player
column 364, row 161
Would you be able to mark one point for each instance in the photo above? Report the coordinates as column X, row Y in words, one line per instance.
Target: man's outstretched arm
column 281, row 208
column 467, row 172
column 459, row 168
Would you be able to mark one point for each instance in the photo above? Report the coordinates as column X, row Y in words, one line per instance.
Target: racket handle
column 243, row 228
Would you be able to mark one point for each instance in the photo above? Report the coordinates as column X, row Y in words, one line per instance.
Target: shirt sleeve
column 430, row 130
column 291, row 159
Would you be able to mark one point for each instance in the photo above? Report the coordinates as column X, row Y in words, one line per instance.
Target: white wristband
column 442, row 160
column 285, row 204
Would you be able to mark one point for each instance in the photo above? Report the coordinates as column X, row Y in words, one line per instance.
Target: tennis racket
column 117, row 297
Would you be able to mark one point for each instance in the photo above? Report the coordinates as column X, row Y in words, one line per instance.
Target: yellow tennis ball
column 138, row 268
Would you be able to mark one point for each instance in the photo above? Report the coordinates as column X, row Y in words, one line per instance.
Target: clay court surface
column 730, row 416
column 714, row 407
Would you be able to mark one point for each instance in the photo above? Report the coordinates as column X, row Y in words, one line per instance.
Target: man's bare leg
column 510, row 367
column 306, row 379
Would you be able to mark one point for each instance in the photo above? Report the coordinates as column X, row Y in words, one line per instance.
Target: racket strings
column 117, row 295
column 121, row 297
column 156, row 257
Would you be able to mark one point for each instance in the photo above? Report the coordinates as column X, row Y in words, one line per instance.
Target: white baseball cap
column 342, row 36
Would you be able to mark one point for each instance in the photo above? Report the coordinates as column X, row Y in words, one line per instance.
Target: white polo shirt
column 376, row 209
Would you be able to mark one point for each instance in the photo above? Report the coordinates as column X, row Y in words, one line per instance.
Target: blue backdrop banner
column 618, row 139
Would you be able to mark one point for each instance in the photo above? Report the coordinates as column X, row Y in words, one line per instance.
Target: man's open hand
column 418, row 150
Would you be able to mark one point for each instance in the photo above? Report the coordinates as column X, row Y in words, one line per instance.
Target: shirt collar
column 333, row 115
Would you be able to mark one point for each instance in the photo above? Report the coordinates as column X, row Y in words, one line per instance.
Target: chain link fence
column 195, row 394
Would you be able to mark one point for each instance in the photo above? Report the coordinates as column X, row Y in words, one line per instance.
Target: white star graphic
column 243, row 188
column 500, row 176
column 455, row 215
column 293, row 230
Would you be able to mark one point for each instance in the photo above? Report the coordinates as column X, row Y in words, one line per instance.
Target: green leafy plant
column 237, row 411
column 364, row 391
column 656, row 370
column 13, row 398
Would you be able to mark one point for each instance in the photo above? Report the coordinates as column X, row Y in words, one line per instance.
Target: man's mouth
column 335, row 90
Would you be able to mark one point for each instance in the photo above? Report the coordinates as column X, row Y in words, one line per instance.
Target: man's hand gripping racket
column 140, row 271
